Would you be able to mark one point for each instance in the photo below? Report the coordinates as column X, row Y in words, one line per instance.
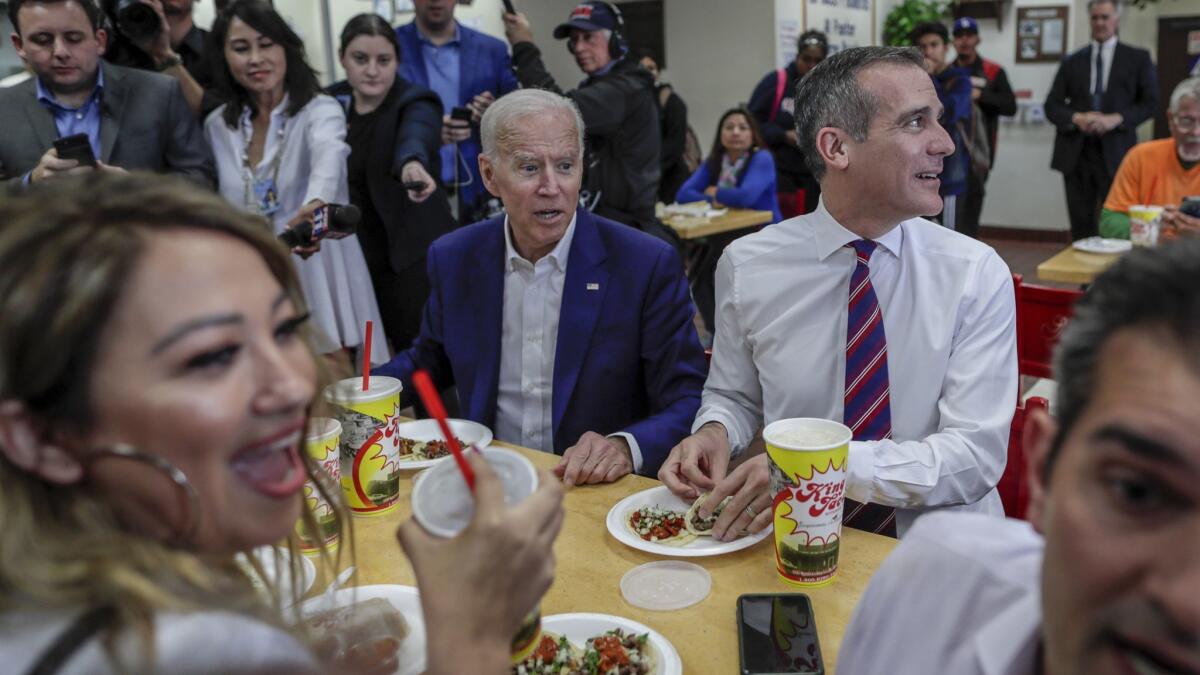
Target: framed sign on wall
column 1042, row 33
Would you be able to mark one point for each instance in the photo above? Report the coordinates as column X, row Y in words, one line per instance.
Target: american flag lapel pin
column 593, row 286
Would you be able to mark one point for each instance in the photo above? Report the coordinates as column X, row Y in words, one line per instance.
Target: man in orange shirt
column 1161, row 172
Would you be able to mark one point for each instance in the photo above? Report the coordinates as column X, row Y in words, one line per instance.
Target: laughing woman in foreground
column 155, row 382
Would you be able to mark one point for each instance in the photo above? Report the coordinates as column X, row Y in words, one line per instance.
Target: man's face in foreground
column 1121, row 516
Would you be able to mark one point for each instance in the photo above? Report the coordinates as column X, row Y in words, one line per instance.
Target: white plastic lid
column 442, row 503
column 350, row 389
column 666, row 585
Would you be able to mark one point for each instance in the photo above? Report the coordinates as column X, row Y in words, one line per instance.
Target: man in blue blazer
column 465, row 68
column 563, row 331
column 1100, row 95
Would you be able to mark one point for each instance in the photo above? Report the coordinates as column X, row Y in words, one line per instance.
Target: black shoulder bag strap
column 69, row 641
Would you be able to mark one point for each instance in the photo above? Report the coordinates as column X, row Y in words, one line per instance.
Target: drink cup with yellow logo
column 370, row 444
column 1144, row 223
column 321, row 443
column 808, row 485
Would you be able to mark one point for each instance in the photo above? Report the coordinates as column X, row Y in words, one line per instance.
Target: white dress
column 312, row 165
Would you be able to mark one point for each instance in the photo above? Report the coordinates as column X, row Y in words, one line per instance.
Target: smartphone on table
column 76, row 147
column 777, row 635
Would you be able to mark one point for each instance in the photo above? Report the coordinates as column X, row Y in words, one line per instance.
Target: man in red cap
column 618, row 108
column 994, row 96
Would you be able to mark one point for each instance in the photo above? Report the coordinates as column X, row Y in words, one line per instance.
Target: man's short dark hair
column 1148, row 289
column 929, row 28
column 89, row 8
column 831, row 96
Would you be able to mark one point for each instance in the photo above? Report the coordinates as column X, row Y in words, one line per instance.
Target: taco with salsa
column 658, row 525
column 702, row 527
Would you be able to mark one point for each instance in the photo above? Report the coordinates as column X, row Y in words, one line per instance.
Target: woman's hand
column 484, row 582
column 305, row 214
column 413, row 172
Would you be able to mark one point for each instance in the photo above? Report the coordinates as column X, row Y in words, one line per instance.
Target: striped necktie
column 867, row 409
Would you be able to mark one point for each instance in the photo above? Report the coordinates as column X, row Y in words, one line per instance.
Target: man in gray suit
column 134, row 120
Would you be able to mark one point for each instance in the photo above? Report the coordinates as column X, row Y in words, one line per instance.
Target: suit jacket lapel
column 584, row 288
column 112, row 109
column 45, row 131
column 467, row 56
column 486, row 310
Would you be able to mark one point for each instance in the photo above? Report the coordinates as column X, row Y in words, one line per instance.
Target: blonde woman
column 155, row 382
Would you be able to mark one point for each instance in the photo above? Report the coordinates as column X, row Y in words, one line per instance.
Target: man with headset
column 618, row 108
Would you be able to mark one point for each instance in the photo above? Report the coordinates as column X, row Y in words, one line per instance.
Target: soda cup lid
column 350, row 389
column 322, row 427
column 442, row 503
column 666, row 585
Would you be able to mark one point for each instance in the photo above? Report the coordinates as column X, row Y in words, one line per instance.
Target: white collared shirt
column 1106, row 56
column 528, row 341
column 949, row 318
column 961, row 594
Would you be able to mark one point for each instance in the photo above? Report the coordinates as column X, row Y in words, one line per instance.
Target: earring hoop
column 190, row 500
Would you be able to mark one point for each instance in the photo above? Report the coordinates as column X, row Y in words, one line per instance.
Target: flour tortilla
column 693, row 514
column 682, row 539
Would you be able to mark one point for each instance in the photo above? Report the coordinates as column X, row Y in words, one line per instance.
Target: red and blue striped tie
column 867, row 410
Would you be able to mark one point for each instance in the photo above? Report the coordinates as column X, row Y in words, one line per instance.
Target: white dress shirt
column 528, row 342
column 949, row 317
column 961, row 594
column 1106, row 57
column 312, row 166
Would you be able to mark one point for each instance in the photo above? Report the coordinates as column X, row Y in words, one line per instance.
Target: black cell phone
column 777, row 635
column 1190, row 207
column 76, row 147
column 414, row 185
column 508, row 7
column 461, row 113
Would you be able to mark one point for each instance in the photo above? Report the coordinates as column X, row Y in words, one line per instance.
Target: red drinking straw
column 367, row 358
column 433, row 403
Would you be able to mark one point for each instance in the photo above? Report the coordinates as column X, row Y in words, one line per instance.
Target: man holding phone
column 467, row 70
column 1105, row 576
column 129, row 118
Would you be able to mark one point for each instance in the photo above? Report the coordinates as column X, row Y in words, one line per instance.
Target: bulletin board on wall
column 845, row 23
column 1042, row 33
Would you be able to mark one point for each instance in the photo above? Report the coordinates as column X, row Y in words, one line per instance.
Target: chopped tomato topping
column 547, row 650
column 612, row 654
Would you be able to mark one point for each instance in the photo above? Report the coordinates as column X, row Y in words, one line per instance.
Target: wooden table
column 591, row 563
column 1072, row 266
column 688, row 227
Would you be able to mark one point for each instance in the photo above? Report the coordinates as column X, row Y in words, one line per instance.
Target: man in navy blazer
column 465, row 68
column 1100, row 95
column 562, row 330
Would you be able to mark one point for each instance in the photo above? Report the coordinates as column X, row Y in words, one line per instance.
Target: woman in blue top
column 738, row 173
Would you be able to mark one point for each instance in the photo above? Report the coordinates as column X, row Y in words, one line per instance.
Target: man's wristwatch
column 169, row 61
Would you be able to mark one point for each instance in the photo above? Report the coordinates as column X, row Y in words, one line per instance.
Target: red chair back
column 1042, row 313
column 1013, row 487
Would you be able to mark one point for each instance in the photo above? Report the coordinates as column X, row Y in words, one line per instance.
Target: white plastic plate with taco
column 422, row 444
column 636, row 519
column 587, row 642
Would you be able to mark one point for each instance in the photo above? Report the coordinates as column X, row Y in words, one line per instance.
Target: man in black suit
column 1099, row 96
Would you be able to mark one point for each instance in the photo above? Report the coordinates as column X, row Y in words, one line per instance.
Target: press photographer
column 161, row 35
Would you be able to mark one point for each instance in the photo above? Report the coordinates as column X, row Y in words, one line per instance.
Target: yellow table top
column 1072, row 266
column 735, row 219
column 590, row 564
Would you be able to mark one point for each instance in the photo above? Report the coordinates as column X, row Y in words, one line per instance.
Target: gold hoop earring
column 190, row 500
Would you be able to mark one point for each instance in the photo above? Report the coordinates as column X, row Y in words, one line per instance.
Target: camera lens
column 137, row 20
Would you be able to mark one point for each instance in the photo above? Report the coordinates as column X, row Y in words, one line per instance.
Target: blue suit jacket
column 628, row 357
column 755, row 188
column 485, row 66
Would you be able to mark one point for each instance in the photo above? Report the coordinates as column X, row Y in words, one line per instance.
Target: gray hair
column 830, row 95
column 1115, row 3
column 496, row 125
column 1189, row 88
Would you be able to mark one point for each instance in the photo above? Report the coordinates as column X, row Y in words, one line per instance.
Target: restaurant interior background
column 728, row 45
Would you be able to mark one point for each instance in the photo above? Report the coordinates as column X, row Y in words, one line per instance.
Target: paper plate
column 1102, row 245
column 404, row 598
column 266, row 558
column 661, row 496
column 473, row 433
column 579, row 627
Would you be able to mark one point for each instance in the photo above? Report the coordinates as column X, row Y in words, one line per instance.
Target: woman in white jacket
column 280, row 151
